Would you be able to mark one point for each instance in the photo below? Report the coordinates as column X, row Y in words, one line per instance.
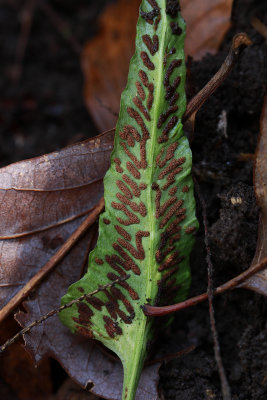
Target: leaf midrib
column 153, row 225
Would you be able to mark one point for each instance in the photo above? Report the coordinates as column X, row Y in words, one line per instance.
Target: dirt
column 44, row 111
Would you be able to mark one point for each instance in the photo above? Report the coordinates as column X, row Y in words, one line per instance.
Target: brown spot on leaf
column 140, row 106
column 172, row 7
column 151, row 44
column 163, row 116
column 164, row 137
column 139, row 252
column 117, row 162
column 190, row 229
column 124, row 189
column 176, row 30
column 140, row 90
column 134, row 171
column 185, row 189
column 123, row 232
column 111, row 327
column 85, row 332
column 146, row 60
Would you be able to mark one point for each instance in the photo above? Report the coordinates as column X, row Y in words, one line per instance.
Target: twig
column 58, row 310
column 54, row 260
column 259, row 27
column 240, row 41
column 226, row 391
column 193, row 301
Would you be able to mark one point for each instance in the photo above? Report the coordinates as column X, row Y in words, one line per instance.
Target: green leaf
column 149, row 220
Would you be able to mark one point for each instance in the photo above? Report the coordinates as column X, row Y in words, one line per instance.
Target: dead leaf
column 258, row 282
column 105, row 59
column 43, row 200
column 207, row 23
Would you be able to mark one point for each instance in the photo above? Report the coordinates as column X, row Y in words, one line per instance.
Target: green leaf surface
column 149, row 221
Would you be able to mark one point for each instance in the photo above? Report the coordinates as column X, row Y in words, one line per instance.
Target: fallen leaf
column 43, row 200
column 105, row 59
column 207, row 22
column 258, row 282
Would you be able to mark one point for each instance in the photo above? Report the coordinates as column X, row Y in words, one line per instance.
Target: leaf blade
column 149, row 218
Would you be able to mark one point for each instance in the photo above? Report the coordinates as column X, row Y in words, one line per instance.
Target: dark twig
column 58, row 310
column 193, row 301
column 226, row 391
column 240, row 41
column 259, row 27
column 54, row 260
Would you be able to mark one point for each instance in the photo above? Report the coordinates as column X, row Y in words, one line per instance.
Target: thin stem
column 54, row 260
column 58, row 310
column 230, row 285
column 240, row 41
column 226, row 391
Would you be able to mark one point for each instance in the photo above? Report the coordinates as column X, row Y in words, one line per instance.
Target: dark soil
column 44, row 111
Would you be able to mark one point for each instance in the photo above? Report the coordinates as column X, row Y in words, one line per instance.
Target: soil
column 44, row 111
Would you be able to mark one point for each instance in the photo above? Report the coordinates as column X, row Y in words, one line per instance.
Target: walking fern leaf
column 146, row 229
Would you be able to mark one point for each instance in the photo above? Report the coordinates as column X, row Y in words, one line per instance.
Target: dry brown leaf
column 258, row 282
column 207, row 23
column 43, row 200
column 105, row 59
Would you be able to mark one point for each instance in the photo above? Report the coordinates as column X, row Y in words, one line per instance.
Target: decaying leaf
column 105, row 59
column 146, row 229
column 42, row 201
column 60, row 187
column 208, row 21
column 259, row 281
